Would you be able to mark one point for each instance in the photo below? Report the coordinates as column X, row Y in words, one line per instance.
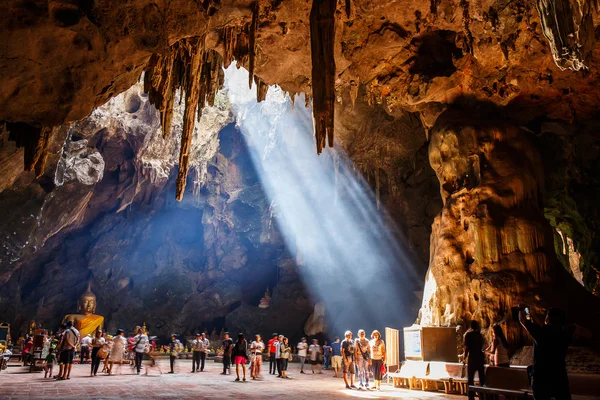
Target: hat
column 198, row 334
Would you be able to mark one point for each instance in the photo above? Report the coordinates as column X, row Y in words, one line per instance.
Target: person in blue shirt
column 336, row 359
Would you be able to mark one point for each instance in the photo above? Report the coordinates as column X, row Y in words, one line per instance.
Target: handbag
column 383, row 369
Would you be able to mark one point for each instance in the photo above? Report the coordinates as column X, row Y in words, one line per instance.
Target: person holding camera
column 548, row 373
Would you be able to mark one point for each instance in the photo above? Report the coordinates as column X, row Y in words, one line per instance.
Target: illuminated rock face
column 491, row 247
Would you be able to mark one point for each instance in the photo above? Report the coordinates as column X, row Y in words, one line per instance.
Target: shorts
column 349, row 366
column 314, row 362
column 66, row 356
column 336, row 362
column 239, row 360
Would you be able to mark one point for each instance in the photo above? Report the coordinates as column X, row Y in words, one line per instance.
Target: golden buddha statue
column 86, row 322
column 266, row 300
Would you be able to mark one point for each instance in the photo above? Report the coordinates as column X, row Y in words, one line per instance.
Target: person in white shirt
column 86, row 342
column 97, row 343
column 197, row 346
column 140, row 342
column 117, row 350
column 315, row 351
column 363, row 357
column 302, row 351
column 256, row 350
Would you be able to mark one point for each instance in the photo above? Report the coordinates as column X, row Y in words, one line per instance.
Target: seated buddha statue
column 266, row 300
column 85, row 321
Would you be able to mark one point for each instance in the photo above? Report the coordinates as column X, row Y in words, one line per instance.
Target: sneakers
column 348, row 387
column 237, row 379
column 301, row 372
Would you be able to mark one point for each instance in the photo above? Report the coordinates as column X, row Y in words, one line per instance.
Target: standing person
column 348, row 359
column 59, row 339
column 117, row 350
column 256, row 349
column 240, row 356
column 315, row 352
column 474, row 345
column 498, row 350
column 549, row 377
column 272, row 350
column 302, row 352
column 68, row 345
column 140, row 341
column 27, row 351
column 104, row 352
column 49, row 363
column 97, row 343
column 377, row 352
column 204, row 351
column 336, row 356
column 326, row 354
column 86, row 342
column 175, row 347
column 227, row 348
column 363, row 359
column 286, row 355
column 197, row 346
column 278, row 354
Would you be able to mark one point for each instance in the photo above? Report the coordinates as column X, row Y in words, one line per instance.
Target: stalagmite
column 322, row 35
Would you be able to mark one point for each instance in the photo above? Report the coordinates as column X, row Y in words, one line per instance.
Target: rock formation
column 388, row 70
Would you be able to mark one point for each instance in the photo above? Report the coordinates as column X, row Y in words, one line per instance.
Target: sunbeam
column 349, row 256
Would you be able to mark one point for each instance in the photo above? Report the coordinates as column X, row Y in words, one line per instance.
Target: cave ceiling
column 61, row 58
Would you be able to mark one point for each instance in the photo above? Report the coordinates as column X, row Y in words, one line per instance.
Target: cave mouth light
column 347, row 255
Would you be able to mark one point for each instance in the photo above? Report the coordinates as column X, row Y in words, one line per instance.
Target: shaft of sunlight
column 348, row 256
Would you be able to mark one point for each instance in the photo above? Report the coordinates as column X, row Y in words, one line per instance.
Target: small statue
column 265, row 302
column 85, row 321
column 32, row 327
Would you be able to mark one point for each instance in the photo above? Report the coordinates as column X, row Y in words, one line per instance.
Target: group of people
column 103, row 348
column 548, row 373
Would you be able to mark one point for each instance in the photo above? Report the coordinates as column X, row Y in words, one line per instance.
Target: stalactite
column 196, row 71
column 252, row 43
column 322, row 35
column 261, row 89
column 35, row 143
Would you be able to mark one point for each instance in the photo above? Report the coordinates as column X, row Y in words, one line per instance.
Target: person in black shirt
column 348, row 359
column 474, row 345
column 227, row 348
column 549, row 377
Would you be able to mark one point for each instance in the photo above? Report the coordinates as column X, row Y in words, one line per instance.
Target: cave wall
column 492, row 247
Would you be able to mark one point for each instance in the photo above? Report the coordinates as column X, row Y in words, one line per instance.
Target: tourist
column 348, row 360
column 377, row 353
column 474, row 345
column 59, row 337
column 549, row 377
column 240, row 356
column 362, row 357
column 302, row 351
column 278, row 354
column 27, row 351
column 204, row 352
column 315, row 352
column 175, row 347
column 336, row 356
column 97, row 343
column 49, row 363
column 226, row 348
column 86, row 342
column 104, row 352
column 197, row 346
column 498, row 350
column 286, row 356
column 272, row 350
column 326, row 354
column 256, row 349
column 68, row 345
column 140, row 342
column 117, row 350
